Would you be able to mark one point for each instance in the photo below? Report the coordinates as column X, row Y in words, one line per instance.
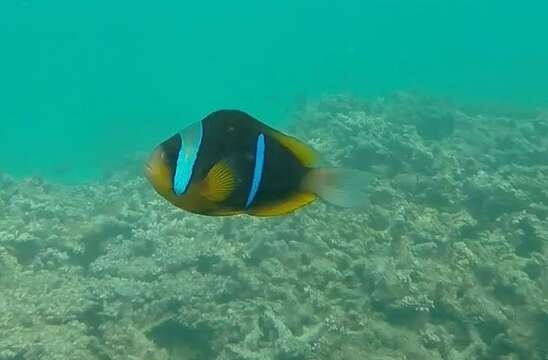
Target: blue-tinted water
column 447, row 260
column 85, row 84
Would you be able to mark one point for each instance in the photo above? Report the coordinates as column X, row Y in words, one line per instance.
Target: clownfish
column 231, row 163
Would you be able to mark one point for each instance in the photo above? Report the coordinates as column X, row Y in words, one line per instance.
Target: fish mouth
column 148, row 170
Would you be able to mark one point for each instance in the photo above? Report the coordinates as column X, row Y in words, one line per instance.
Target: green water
column 443, row 103
column 86, row 84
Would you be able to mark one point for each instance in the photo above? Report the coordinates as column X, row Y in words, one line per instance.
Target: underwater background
column 446, row 103
column 87, row 83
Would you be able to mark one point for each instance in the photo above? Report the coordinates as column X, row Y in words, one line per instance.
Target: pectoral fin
column 219, row 182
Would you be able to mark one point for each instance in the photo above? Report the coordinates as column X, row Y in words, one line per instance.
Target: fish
column 230, row 163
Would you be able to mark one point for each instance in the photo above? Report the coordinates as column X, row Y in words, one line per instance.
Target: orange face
column 158, row 172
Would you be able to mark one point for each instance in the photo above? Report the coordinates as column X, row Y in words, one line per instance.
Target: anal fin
column 283, row 207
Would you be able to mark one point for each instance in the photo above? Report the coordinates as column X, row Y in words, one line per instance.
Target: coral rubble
column 450, row 260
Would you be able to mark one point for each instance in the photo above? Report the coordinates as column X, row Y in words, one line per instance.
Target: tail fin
column 339, row 186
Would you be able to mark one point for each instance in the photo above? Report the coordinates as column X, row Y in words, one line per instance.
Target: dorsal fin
column 306, row 155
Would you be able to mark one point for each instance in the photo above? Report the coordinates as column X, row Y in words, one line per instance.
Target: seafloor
column 450, row 260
